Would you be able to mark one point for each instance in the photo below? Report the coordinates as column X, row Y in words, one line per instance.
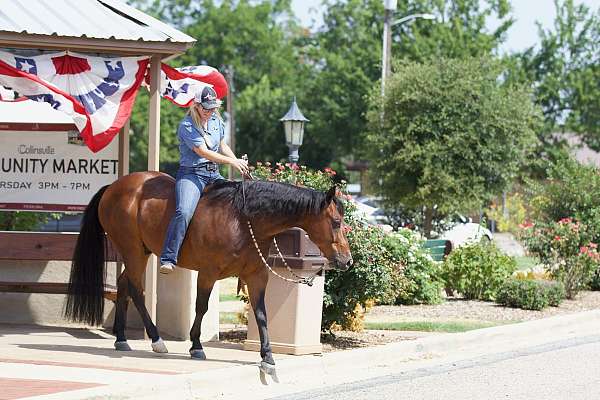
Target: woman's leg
column 188, row 190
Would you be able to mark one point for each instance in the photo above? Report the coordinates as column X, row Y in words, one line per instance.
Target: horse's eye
column 336, row 224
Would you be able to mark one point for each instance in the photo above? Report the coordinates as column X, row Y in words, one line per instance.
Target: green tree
column 346, row 53
column 449, row 135
column 564, row 71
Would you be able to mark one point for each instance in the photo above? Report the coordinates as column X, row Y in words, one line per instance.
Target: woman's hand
column 241, row 165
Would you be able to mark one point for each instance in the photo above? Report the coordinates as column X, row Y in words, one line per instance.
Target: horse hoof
column 122, row 346
column 198, row 354
column 269, row 369
column 159, row 346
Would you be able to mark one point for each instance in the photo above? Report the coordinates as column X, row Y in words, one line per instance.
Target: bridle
column 306, row 280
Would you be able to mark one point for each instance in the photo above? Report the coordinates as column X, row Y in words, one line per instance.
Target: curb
column 311, row 372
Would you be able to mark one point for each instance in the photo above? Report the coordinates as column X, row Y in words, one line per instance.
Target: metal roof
column 85, row 19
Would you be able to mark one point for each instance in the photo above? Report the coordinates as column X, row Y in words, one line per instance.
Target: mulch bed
column 460, row 309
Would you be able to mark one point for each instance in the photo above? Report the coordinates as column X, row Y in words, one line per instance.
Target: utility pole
column 230, row 113
column 390, row 7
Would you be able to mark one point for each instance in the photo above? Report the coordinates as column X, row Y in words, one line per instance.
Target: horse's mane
column 270, row 199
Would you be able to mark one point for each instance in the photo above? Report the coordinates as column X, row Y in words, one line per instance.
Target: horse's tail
column 85, row 295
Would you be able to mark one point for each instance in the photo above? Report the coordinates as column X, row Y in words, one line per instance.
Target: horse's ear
column 330, row 194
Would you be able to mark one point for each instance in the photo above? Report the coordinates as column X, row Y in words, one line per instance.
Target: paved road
column 569, row 370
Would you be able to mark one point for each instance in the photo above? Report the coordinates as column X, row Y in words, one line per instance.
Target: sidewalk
column 81, row 364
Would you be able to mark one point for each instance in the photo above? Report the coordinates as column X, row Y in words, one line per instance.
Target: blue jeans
column 189, row 185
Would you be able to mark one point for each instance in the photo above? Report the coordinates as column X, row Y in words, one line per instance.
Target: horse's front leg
column 203, row 290
column 257, row 284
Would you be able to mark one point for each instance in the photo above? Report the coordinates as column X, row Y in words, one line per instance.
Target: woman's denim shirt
column 191, row 136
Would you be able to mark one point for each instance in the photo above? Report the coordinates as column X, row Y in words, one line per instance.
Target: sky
column 522, row 34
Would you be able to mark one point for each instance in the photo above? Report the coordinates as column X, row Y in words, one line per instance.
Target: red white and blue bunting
column 98, row 93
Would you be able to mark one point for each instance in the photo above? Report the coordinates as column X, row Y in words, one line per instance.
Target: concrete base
column 40, row 308
column 176, row 306
column 293, row 315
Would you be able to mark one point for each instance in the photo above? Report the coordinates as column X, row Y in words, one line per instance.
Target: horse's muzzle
column 342, row 263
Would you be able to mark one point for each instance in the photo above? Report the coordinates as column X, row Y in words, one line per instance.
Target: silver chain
column 300, row 279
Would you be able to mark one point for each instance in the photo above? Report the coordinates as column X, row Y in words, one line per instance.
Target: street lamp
column 293, row 123
column 390, row 7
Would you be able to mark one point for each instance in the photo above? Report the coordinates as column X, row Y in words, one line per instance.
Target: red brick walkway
column 20, row 388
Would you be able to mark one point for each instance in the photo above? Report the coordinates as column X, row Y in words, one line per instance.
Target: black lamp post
column 293, row 122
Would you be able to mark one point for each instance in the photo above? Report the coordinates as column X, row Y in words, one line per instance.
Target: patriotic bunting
column 180, row 84
column 97, row 92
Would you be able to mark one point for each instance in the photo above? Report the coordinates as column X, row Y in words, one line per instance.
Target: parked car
column 465, row 231
column 368, row 208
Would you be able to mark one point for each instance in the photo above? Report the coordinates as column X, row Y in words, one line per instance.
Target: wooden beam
column 153, row 165
column 44, row 246
column 92, row 45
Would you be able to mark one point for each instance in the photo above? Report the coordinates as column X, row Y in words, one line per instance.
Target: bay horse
column 135, row 211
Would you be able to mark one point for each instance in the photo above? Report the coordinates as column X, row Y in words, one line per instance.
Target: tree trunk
column 428, row 222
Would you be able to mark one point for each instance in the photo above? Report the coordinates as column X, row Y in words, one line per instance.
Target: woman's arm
column 226, row 150
column 240, row 165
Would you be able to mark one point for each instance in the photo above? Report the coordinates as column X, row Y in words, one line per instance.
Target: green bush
column 418, row 279
column 530, row 294
column 477, row 271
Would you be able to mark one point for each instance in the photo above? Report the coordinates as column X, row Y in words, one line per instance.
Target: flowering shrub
column 370, row 278
column 296, row 175
column 416, row 277
column 567, row 249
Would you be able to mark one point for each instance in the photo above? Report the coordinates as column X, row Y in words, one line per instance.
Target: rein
column 308, row 280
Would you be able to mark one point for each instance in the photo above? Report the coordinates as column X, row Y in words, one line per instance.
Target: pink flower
column 526, row 224
column 584, row 249
column 565, row 221
column 258, row 163
column 557, row 238
column 295, row 167
column 593, row 245
column 329, row 171
column 268, row 164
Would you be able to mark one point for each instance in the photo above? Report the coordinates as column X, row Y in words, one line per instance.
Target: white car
column 465, row 232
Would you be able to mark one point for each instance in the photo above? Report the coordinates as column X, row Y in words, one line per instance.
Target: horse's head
column 328, row 232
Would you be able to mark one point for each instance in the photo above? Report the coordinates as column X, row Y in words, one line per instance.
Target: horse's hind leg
column 203, row 289
column 135, row 267
column 121, row 313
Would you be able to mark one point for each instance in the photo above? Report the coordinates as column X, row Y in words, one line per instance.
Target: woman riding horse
column 201, row 147
column 134, row 212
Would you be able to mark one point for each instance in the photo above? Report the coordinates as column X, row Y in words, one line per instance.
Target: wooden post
column 230, row 111
column 123, row 167
column 153, row 165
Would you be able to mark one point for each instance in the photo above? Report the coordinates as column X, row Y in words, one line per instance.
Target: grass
column 228, row 318
column 228, row 289
column 430, row 326
column 526, row 262
column 228, row 297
